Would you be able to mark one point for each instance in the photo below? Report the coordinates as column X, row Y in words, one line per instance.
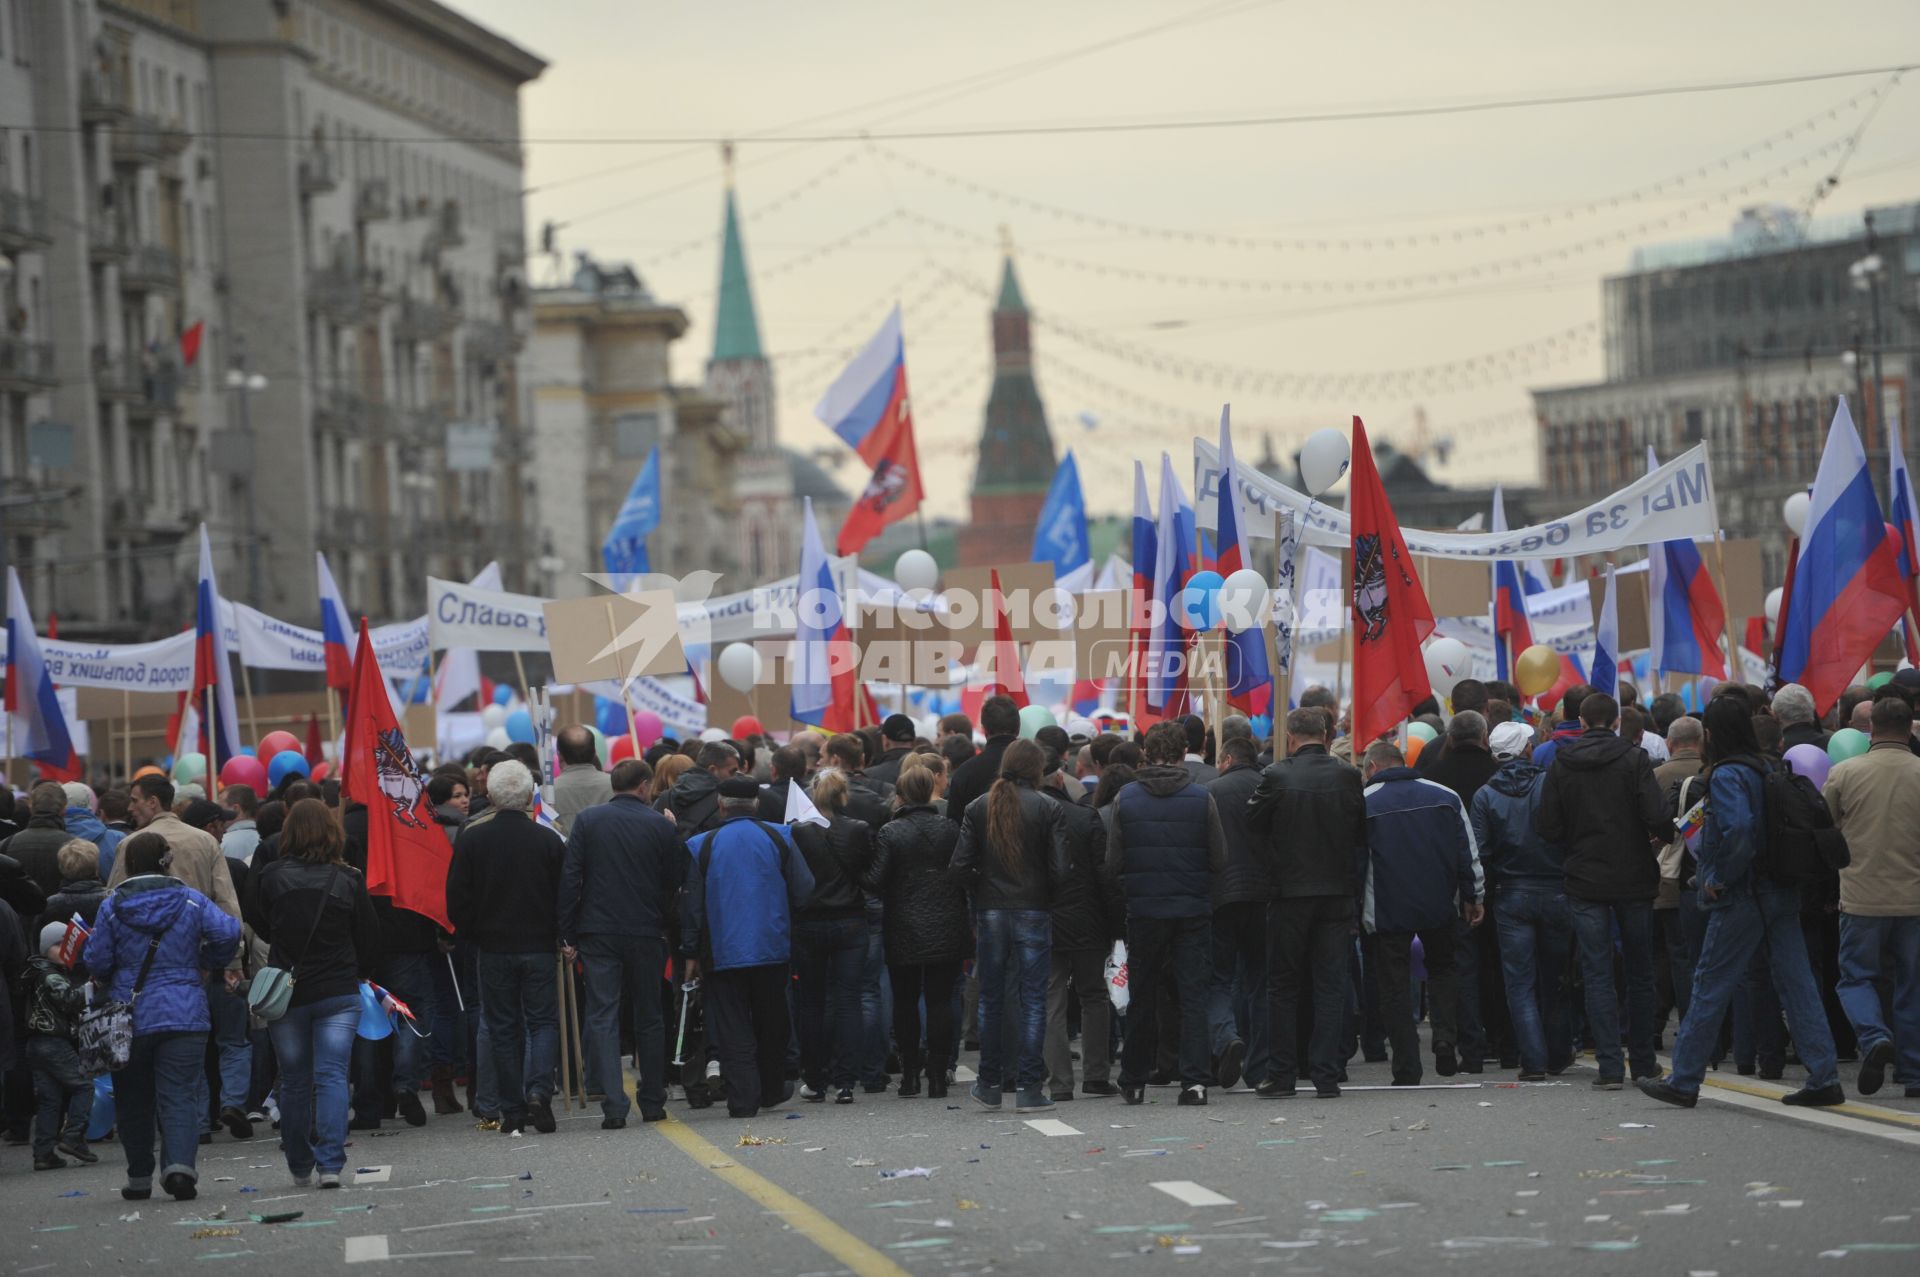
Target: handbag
column 103, row 1036
column 272, row 988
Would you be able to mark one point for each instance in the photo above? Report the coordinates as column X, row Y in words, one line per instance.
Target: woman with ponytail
column 830, row 942
column 1012, row 857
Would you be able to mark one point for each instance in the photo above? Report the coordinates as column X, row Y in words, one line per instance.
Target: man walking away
column 1876, row 803
column 744, row 879
column 1310, row 810
column 580, row 784
column 1679, row 925
column 1601, row 803
column 621, row 871
column 1422, row 869
column 1240, row 895
column 694, row 800
column 1087, row 915
column 1165, row 848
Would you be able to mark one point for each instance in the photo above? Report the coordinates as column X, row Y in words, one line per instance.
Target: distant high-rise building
column 1016, row 458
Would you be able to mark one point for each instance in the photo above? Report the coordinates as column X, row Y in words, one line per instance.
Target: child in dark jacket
column 61, row 1087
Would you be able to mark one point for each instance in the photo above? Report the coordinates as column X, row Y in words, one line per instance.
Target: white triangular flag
column 800, row 808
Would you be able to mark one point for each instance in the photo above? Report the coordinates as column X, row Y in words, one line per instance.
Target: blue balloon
column 519, row 726
column 288, row 762
column 502, row 694
column 609, row 716
column 417, row 689
column 248, row 750
column 1262, row 726
column 1199, row 602
column 375, row 1022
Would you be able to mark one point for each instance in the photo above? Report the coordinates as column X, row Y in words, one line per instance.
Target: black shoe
column 1444, row 1062
column 971, row 1044
column 78, row 1152
column 1913, row 1092
column 49, row 1162
column 1772, row 1072
column 1326, row 1090
column 909, row 1086
column 1609, row 1084
column 875, row 1088
column 845, row 1095
column 1105, row 1090
column 1533, row 1077
column 410, row 1109
column 132, row 1194
column 1193, row 1097
column 613, row 1123
column 1162, row 1077
column 1472, row 1066
column 512, row 1123
column 1664, row 1091
column 786, row 1093
column 1873, row 1068
column 364, row 1124
column 235, row 1120
column 1372, row 1058
column 653, row 1115
column 180, row 1186
column 1653, row 1076
column 1276, row 1088
column 1406, row 1081
column 1133, row 1094
column 206, row 1137
column 541, row 1111
column 1226, row 1070
column 742, row 1113
column 937, row 1086
column 1745, row 1070
column 1823, row 1097
column 1061, row 1097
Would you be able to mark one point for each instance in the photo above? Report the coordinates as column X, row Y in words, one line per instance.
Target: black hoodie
column 1601, row 803
column 694, row 801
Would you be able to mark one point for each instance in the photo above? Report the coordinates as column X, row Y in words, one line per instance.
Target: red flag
column 893, row 492
column 1391, row 617
column 315, row 754
column 1008, row 678
column 407, row 854
column 190, row 343
column 74, row 943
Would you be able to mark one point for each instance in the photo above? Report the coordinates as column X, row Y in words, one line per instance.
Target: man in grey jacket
column 581, row 784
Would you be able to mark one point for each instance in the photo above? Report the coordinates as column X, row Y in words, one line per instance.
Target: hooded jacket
column 195, row 935
column 1601, row 803
column 838, row 857
column 195, row 859
column 1421, row 860
column 1088, row 912
column 1040, row 862
column 1736, row 827
column 924, row 907
column 694, row 801
column 37, row 848
column 82, row 823
column 621, row 871
column 1505, row 815
column 55, row 998
column 1310, row 810
column 1547, row 750
column 1244, row 877
column 1166, row 845
column 744, row 881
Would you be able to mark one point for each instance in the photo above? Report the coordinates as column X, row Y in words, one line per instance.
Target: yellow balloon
column 1537, row 670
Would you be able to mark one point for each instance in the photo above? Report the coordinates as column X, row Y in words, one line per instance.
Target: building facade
column 1745, row 343
column 604, row 399
column 1016, row 456
column 262, row 261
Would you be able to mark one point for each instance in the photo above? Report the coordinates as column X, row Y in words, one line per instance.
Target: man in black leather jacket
column 1087, row 916
column 1240, row 894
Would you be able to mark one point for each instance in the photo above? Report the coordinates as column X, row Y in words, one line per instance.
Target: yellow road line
column 1868, row 1112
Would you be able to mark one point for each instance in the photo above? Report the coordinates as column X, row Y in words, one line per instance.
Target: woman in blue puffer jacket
column 1746, row 910
column 150, row 916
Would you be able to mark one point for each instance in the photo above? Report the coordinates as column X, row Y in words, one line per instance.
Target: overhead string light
column 761, row 211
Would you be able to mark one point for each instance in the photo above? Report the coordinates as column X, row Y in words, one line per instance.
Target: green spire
column 1011, row 298
column 736, row 329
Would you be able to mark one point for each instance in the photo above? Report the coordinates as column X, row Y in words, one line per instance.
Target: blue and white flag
column 1605, row 674
column 625, row 550
column 38, row 727
column 1060, row 533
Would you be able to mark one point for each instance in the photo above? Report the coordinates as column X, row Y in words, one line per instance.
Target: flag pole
column 213, row 747
column 1736, row 673
column 1346, row 635
column 1282, row 682
column 626, row 687
column 126, row 725
column 246, row 686
column 520, row 668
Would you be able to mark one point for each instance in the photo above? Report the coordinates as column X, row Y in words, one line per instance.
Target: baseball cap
column 898, row 727
column 202, row 812
column 1510, row 740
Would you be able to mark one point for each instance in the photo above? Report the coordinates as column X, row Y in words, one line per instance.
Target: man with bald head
column 580, row 784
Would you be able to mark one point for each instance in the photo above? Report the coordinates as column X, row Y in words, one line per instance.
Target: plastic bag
column 374, row 1023
column 100, row 1124
column 1117, row 975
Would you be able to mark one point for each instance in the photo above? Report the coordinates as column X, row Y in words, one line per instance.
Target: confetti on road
column 1188, row 1193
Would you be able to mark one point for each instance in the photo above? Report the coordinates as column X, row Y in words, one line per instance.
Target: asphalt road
column 1497, row 1178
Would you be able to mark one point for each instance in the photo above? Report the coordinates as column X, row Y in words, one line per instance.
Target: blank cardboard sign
column 1100, row 633
column 1746, row 583
column 1028, row 580
column 612, row 637
column 1630, row 602
column 1456, row 587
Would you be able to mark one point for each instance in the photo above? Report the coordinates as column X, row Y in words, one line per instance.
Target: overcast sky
column 1151, row 354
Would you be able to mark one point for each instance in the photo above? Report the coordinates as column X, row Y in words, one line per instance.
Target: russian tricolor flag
column 1684, row 617
column 868, row 407
column 212, row 675
column 1906, row 531
column 1166, row 639
column 37, row 727
column 336, row 628
column 1847, row 586
column 1145, row 551
column 1512, row 633
column 1249, row 681
column 824, row 678
column 1604, row 676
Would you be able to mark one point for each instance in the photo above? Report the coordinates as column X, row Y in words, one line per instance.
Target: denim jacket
column 1736, row 824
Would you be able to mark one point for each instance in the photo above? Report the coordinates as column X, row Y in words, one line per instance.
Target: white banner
column 461, row 615
column 1673, row 503
column 268, row 643
column 162, row 666
column 649, row 693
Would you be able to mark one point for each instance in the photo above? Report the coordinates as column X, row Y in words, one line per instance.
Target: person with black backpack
column 1746, row 886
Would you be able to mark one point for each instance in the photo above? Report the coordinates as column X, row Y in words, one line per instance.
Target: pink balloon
column 244, row 770
column 1812, row 762
column 648, row 727
column 274, row 744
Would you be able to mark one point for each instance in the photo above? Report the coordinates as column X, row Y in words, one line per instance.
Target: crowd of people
column 1530, row 888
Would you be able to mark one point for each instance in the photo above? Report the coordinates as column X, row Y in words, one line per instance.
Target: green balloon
column 599, row 745
column 1880, row 680
column 189, row 768
column 1847, row 743
column 1422, row 731
column 1032, row 719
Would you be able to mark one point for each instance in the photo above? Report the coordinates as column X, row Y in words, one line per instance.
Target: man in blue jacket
column 736, row 923
column 1421, row 867
column 623, row 866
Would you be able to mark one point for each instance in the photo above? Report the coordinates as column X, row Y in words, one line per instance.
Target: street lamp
column 247, row 384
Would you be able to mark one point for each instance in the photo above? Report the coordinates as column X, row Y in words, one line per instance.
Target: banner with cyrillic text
column 269, row 643
column 462, row 615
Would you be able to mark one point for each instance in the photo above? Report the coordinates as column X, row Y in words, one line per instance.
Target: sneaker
column 49, row 1162
column 1609, row 1084
column 983, row 1097
column 329, row 1179
column 1326, row 1090
column 844, row 1095
column 1032, row 1102
column 1162, row 1077
column 1533, row 1077
column 1664, row 1091
column 812, row 1094
column 303, row 1180
column 1135, row 1094
column 1444, row 1062
column 1873, row 1067
column 411, row 1110
column 256, row 1115
column 1193, row 1097
column 1277, row 1088
column 1226, row 1070
column 235, row 1120
column 713, row 1070
column 179, row 1186
column 511, row 1125
column 541, row 1110
column 1816, row 1097
column 78, row 1151
column 1104, row 1090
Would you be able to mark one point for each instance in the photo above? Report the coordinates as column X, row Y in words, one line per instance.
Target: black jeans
column 64, row 1092
column 1307, row 942
column 626, row 966
column 1394, row 952
column 1177, row 952
column 936, row 981
column 830, row 956
column 747, row 1016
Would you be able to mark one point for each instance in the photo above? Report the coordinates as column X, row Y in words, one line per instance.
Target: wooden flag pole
column 520, row 668
column 213, row 746
column 1736, row 673
column 126, row 723
column 560, row 1005
column 246, row 688
column 579, row 1052
column 1346, row 638
column 626, row 686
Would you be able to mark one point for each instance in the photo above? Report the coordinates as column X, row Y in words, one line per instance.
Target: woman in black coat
column 925, row 931
column 830, row 943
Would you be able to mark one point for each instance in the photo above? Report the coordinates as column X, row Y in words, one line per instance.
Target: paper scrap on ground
column 372, row 1175
column 911, row 1172
column 1052, row 1126
column 1189, row 1193
column 367, row 1250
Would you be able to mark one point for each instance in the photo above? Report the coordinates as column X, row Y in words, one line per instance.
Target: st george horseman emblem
column 1370, row 586
column 399, row 779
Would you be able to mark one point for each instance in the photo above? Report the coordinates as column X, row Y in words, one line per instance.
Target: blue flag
column 625, row 550
column 1060, row 534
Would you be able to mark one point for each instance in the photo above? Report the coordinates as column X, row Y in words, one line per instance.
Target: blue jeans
column 1240, row 967
column 228, row 1012
column 1871, row 948
column 1020, row 942
column 876, row 1009
column 62, row 1091
column 830, row 957
column 1536, row 951
column 157, row 1085
column 1768, row 919
column 628, row 965
column 1593, row 923
column 517, row 1001
column 314, row 1044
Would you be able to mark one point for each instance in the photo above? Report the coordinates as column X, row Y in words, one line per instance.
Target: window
column 635, row 433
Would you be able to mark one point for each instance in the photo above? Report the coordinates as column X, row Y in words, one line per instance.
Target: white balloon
column 1243, row 598
column 1794, row 511
column 1323, row 459
column 739, row 666
column 711, row 734
column 1775, row 597
column 958, row 675
column 498, row 738
column 1448, row 662
column 916, row 570
column 493, row 716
